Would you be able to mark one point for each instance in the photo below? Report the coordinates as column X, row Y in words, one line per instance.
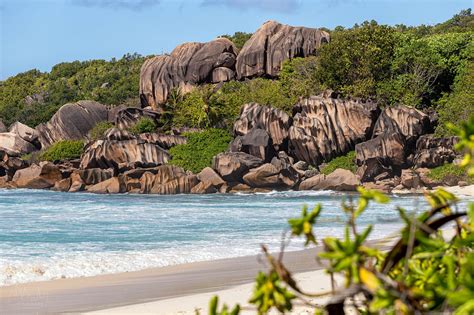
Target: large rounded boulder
column 71, row 121
column 273, row 43
column 188, row 64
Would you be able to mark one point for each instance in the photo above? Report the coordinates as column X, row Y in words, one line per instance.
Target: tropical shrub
column 199, row 149
column 144, row 124
column 239, row 38
column 457, row 106
column 33, row 97
column 99, row 130
column 192, row 110
column 357, row 59
column 424, row 272
column 299, row 77
column 63, row 150
column 346, row 162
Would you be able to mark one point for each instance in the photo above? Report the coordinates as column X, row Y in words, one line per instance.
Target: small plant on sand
column 424, row 272
column 63, row 150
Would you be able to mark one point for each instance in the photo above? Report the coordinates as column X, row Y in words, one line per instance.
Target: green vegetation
column 424, row 272
column 63, row 150
column 346, row 162
column 99, row 130
column 200, row 148
column 33, row 97
column 450, row 170
column 144, row 124
column 239, row 38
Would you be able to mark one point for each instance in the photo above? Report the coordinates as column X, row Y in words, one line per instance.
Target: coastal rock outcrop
column 273, row 121
column 94, row 176
column 393, row 141
column 232, row 166
column 10, row 164
column 187, row 65
column 26, row 133
column 164, row 141
column 168, row 179
column 209, row 182
column 37, row 176
column 340, row 179
column 325, row 127
column 411, row 123
column 432, row 152
column 121, row 150
column 114, row 185
column 273, row 43
column 71, row 121
column 14, row 145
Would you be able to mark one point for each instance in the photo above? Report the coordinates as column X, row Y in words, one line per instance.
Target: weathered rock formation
column 168, row 179
column 273, row 43
column 278, row 174
column 411, row 123
column 187, row 65
column 209, row 182
column 71, row 121
column 37, row 176
column 325, row 127
column 232, row 166
column 26, row 133
column 393, row 140
column 432, row 152
column 340, row 179
column 114, row 185
column 14, row 145
column 10, row 164
column 164, row 141
column 121, row 150
column 261, row 131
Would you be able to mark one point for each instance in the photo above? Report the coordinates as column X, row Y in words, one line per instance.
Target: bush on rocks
column 345, row 162
column 63, row 150
column 144, row 124
column 448, row 173
column 200, row 148
column 99, row 130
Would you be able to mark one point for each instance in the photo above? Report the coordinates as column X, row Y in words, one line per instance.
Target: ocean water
column 49, row 235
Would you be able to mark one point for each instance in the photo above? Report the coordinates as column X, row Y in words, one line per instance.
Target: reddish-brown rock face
column 273, row 43
column 37, row 176
column 232, row 166
column 187, row 65
column 324, row 128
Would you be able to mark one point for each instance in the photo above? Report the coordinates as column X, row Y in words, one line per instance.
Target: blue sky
column 41, row 33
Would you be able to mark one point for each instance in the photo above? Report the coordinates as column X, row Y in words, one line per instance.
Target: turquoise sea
column 48, row 235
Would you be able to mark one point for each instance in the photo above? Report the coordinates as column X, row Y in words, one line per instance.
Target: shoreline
column 123, row 289
column 467, row 191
